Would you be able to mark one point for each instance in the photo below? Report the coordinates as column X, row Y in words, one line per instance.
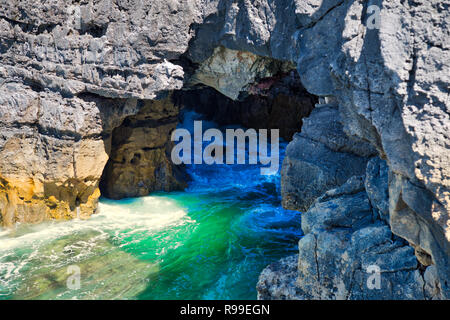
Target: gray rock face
column 278, row 280
column 278, row 102
column 111, row 49
column 71, row 72
column 344, row 207
column 320, row 158
column 391, row 83
column 349, row 252
column 392, row 86
column 52, row 152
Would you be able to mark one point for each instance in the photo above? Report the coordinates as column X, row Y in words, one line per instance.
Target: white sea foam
column 147, row 214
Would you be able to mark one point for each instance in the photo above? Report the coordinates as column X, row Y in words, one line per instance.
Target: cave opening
column 277, row 102
column 140, row 161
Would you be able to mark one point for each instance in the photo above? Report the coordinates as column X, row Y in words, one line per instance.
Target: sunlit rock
column 232, row 71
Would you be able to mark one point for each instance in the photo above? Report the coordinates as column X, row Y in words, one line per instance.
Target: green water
column 208, row 242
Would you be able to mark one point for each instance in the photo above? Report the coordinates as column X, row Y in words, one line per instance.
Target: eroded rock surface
column 348, row 246
column 277, row 102
column 71, row 71
column 52, row 152
column 109, row 48
column 397, row 98
column 139, row 161
column 278, row 280
column 232, row 71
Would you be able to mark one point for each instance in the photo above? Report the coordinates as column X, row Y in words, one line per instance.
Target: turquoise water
column 210, row 241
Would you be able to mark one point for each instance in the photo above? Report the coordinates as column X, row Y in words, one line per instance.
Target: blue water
column 210, row 241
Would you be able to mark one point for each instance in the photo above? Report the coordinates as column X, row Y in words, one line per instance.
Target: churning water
column 210, row 241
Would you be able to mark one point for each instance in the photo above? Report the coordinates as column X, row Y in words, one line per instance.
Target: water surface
column 210, row 241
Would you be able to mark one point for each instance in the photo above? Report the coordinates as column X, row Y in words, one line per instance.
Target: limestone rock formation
column 320, row 158
column 119, row 50
column 139, row 161
column 377, row 189
column 121, row 274
column 399, row 101
column 232, row 71
column 278, row 280
column 52, row 152
column 277, row 102
column 72, row 71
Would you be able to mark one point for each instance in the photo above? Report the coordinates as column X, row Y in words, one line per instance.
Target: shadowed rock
column 320, row 158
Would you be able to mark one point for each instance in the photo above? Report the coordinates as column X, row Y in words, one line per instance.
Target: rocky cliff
column 139, row 160
column 276, row 102
column 76, row 77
